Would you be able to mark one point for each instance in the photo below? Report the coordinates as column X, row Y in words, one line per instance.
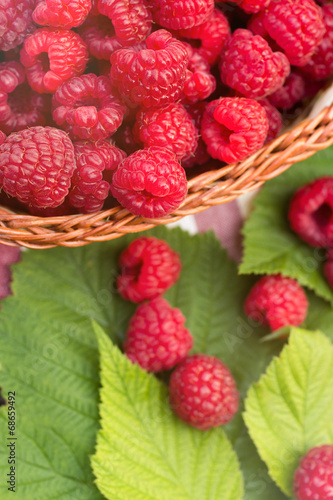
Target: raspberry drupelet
column 233, row 128
column 15, row 22
column 61, row 13
column 313, row 478
column 148, row 268
column 156, row 338
column 153, row 76
column 86, row 107
column 203, row 392
column 150, row 183
column 52, row 56
column 181, row 14
column 276, row 301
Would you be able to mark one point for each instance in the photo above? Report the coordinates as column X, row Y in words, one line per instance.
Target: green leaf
column 270, row 246
column 144, row 451
column 290, row 409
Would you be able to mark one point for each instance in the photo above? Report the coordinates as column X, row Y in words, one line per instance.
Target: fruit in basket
column 313, row 478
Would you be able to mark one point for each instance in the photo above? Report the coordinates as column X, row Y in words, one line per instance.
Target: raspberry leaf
column 270, row 246
column 144, row 451
column 289, row 410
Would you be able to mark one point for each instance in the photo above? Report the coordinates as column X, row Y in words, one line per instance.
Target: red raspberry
column 156, row 338
column 11, row 75
column 200, row 156
column 233, row 128
column 250, row 67
column 36, row 166
column 153, row 76
column 277, row 301
column 213, row 33
column 199, row 83
column 328, row 267
column 203, row 392
column 168, row 127
column 15, row 22
column 148, row 267
column 274, row 120
column 252, row 6
column 313, row 479
column 86, row 108
column 296, row 25
column 95, row 163
column 98, row 34
column 311, row 212
column 52, row 56
column 150, row 183
column 61, row 13
column 131, row 19
column 181, row 14
column 292, row 92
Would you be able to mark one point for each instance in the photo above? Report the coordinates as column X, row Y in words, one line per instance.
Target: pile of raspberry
column 108, row 102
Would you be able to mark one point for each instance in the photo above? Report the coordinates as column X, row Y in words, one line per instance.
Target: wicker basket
column 205, row 190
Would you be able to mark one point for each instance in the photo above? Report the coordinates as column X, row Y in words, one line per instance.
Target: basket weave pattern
column 205, row 190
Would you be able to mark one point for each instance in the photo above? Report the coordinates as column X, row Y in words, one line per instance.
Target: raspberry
column 86, row 108
column 328, row 267
column 233, row 128
column 153, row 76
column 156, row 338
column 36, row 166
column 150, row 183
column 61, row 13
column 313, row 479
column 292, row 92
column 199, row 83
column 149, row 267
column 15, row 22
column 277, row 301
column 296, row 25
column 203, row 392
column 131, row 19
column 11, row 75
column 168, row 127
column 200, row 156
column 250, row 67
column 52, row 56
column 98, row 34
column 274, row 120
column 252, row 6
column 90, row 184
column 181, row 14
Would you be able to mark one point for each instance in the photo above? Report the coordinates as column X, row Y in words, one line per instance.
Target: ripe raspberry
column 311, row 212
column 181, row 14
column 199, row 83
column 203, row 392
column 131, row 19
column 148, row 267
column 200, row 156
column 277, row 301
column 11, row 75
column 313, row 479
column 52, row 56
column 168, row 127
column 156, row 338
column 86, row 108
column 233, row 128
column 328, row 267
column 153, row 76
column 292, row 92
column 36, row 166
column 249, row 66
column 98, row 34
column 296, row 25
column 61, row 13
column 150, row 183
column 15, row 22
column 90, row 184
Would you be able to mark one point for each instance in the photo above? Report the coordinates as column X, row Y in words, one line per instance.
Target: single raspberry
column 150, row 183
column 203, row 392
column 212, row 34
column 131, row 19
column 52, row 56
column 250, row 67
column 15, row 22
column 277, row 301
column 61, row 13
column 296, row 26
column 168, row 127
column 181, row 14
column 90, row 183
column 199, row 83
column 156, row 338
column 313, row 479
column 153, row 76
column 233, row 128
column 11, row 75
column 252, row 6
column 148, row 267
column 99, row 36
column 274, row 119
column 311, row 212
column 86, row 107
column 200, row 156
column 328, row 267
column 36, row 166
column 292, row 92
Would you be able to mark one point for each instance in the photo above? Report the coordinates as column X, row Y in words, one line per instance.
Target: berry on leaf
column 313, row 479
